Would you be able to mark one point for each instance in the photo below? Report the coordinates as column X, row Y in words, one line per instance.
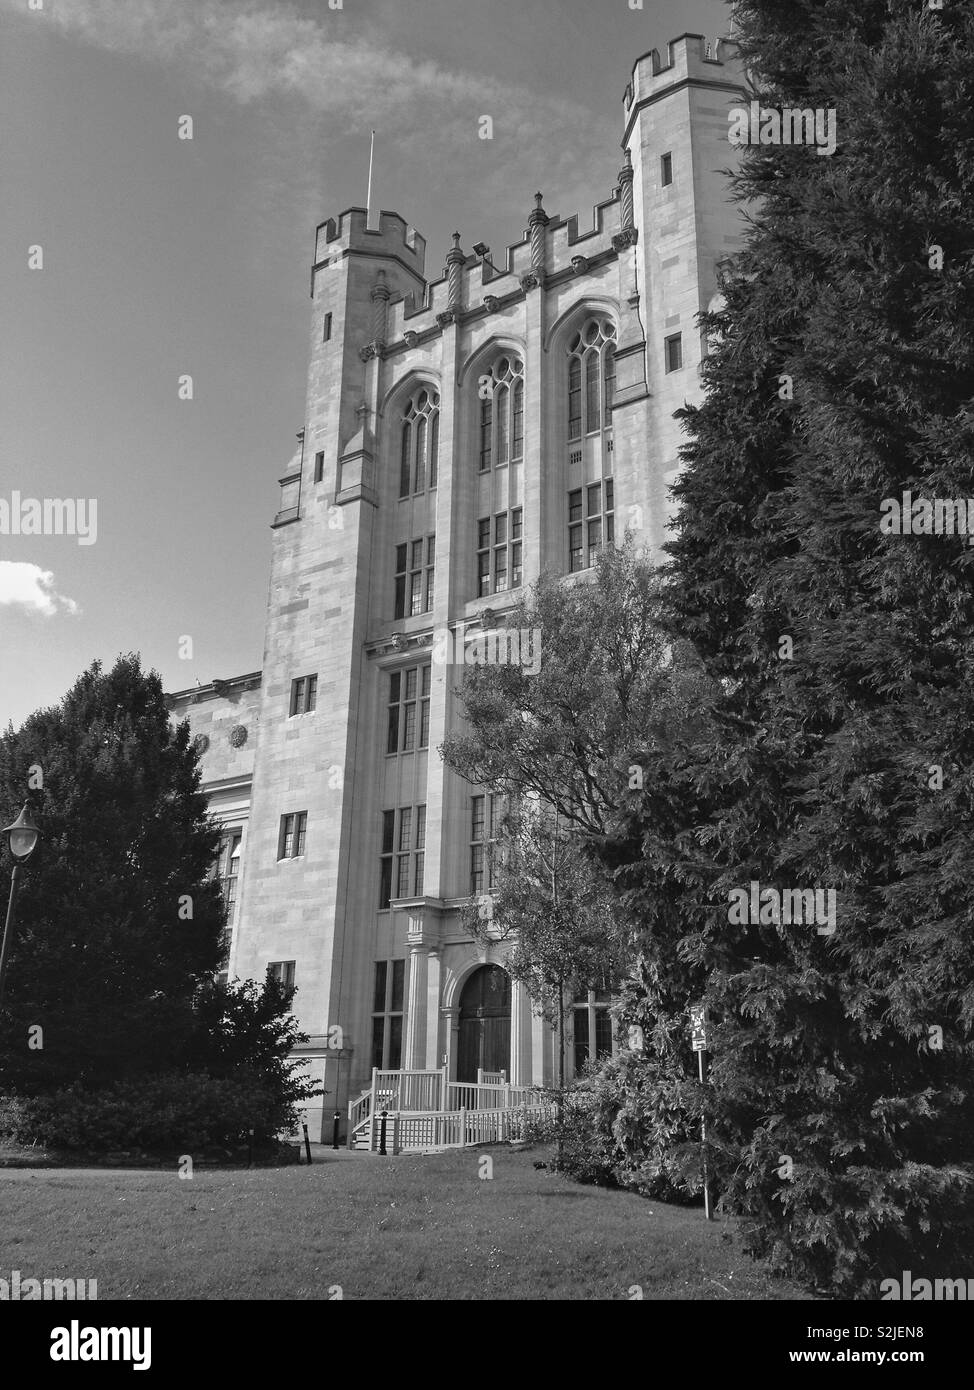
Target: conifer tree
column 841, row 751
column 119, row 920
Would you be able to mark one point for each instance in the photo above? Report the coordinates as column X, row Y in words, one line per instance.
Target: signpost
column 698, row 1037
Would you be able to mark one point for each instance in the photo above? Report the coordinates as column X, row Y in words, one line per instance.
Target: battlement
column 393, row 237
column 567, row 251
column 688, row 58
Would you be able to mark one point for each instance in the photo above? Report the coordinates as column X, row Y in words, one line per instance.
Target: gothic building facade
column 461, row 436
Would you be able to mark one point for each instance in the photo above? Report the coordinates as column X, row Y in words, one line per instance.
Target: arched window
column 502, row 414
column 420, row 436
column 591, row 356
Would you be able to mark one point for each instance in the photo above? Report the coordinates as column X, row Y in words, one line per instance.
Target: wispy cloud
column 251, row 51
column 27, row 586
column 349, row 77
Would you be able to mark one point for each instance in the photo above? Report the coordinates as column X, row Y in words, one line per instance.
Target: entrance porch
column 424, row 1110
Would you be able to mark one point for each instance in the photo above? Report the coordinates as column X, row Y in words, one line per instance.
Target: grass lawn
column 412, row 1227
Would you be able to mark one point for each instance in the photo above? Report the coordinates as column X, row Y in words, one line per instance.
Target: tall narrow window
column 575, row 398
column 486, row 433
column 326, row 331
column 591, row 353
column 385, row 858
column 593, row 411
column 609, row 371
column 420, row 856
column 420, row 434
column 666, row 170
column 405, row 462
column 484, row 826
column 387, row 1001
column 673, row 351
column 424, row 706
column 320, row 466
column 420, row 483
column 230, row 872
column 575, row 548
column 501, row 404
column 405, row 848
column 502, row 414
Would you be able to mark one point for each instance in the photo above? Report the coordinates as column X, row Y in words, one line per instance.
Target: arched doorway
column 485, row 1023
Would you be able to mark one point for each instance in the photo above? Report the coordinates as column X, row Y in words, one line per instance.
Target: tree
column 120, row 921
column 840, row 753
column 610, row 678
column 552, row 902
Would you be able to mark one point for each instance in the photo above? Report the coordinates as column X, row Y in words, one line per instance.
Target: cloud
column 255, row 52
column 252, row 51
column 27, row 586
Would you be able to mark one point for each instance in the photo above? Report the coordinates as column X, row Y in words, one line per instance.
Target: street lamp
column 21, row 838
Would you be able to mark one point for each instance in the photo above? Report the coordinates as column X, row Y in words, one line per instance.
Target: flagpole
column 368, row 200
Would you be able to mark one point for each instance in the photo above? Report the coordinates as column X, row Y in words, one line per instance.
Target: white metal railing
column 359, row 1110
column 428, row 1096
column 409, row 1090
column 467, row 1095
column 456, row 1129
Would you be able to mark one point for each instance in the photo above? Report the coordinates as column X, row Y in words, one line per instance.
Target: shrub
column 626, row 1124
column 185, row 1113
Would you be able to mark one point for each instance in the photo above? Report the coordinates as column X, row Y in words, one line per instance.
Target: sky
column 163, row 257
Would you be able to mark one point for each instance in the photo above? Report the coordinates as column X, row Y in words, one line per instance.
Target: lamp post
column 21, row 838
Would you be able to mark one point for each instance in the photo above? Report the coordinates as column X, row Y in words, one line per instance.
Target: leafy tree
column 553, row 903
column 119, row 921
column 245, row 1029
column 840, row 751
column 610, row 678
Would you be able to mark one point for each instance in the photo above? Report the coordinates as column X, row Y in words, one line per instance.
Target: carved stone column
column 625, row 185
column 380, row 297
column 537, row 222
column 454, row 269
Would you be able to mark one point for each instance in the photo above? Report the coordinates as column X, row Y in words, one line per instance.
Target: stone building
column 461, row 435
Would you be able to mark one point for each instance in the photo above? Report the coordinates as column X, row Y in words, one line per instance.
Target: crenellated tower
column 461, row 436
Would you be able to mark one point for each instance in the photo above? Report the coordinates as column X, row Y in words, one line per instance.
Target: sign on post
column 698, row 1036
column 698, row 1027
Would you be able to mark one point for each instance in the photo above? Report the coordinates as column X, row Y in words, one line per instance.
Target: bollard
column 334, row 1138
column 382, row 1133
column 250, row 1150
column 307, row 1142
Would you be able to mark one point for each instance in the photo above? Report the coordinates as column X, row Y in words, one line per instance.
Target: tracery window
column 419, row 442
column 501, row 434
column 591, row 377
